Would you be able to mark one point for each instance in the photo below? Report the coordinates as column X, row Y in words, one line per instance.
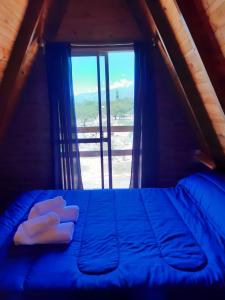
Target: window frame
column 79, row 50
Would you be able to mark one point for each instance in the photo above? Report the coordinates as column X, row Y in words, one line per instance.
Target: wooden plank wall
column 25, row 153
column 99, row 21
column 177, row 137
column 197, row 69
column 11, row 16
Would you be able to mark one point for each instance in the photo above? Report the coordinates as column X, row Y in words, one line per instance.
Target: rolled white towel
column 68, row 213
column 58, row 234
column 46, row 206
column 39, row 224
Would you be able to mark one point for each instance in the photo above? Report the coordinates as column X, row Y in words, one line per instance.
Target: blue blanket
column 124, row 239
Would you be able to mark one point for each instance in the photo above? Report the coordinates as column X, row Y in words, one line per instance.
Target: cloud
column 87, row 90
column 124, row 82
column 121, row 83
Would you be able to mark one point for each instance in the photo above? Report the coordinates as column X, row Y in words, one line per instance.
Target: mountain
column 126, row 92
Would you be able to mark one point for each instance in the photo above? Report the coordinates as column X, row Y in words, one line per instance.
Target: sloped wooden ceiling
column 203, row 58
column 98, row 21
column 23, row 26
column 197, row 68
column 11, row 16
column 170, row 21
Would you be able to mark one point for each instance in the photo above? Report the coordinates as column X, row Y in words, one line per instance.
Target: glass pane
column 122, row 137
column 121, row 75
column 106, row 165
column 90, row 165
column 85, row 87
column 122, row 115
column 121, row 169
column 103, row 95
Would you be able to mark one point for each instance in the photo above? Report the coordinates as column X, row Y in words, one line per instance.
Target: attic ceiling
column 193, row 39
column 11, row 16
column 200, row 41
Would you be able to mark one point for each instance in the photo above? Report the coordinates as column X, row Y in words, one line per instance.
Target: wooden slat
column 183, row 72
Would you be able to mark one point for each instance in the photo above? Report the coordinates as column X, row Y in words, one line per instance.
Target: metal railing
column 93, row 129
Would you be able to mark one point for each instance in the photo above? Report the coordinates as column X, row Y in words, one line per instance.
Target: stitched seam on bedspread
column 197, row 243
column 162, row 257
column 116, row 238
column 150, row 224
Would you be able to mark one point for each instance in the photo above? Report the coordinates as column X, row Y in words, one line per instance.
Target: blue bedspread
column 124, row 238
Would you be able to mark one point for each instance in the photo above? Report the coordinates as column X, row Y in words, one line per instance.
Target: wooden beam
column 145, row 20
column 41, row 21
column 206, row 43
column 22, row 53
column 54, row 19
column 179, row 63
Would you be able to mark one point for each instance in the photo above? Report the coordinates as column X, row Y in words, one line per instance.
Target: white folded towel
column 46, row 206
column 68, row 213
column 38, row 224
column 58, row 234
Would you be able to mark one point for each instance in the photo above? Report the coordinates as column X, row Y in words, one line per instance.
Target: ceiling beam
column 146, row 23
column 40, row 23
column 22, row 55
column 188, row 84
column 206, row 43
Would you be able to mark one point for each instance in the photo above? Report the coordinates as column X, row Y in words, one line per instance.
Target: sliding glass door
column 104, row 109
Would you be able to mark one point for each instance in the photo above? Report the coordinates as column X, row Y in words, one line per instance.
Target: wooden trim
column 95, row 50
column 205, row 160
column 193, row 96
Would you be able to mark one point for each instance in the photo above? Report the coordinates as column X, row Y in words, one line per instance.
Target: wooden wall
column 25, row 154
column 11, row 15
column 98, row 21
column 178, row 141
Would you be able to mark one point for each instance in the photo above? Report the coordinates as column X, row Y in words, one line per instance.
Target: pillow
column 207, row 191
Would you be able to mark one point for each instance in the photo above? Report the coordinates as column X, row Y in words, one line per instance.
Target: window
column 103, row 82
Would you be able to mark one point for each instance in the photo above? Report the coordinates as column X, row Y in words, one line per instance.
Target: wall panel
column 25, row 153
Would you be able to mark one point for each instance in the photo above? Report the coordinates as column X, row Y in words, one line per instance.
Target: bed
column 137, row 242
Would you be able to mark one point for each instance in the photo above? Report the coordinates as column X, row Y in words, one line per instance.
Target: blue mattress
column 124, row 239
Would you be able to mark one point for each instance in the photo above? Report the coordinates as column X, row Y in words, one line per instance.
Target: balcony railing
column 93, row 129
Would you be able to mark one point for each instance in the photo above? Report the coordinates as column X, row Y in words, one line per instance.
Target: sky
column 84, row 72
